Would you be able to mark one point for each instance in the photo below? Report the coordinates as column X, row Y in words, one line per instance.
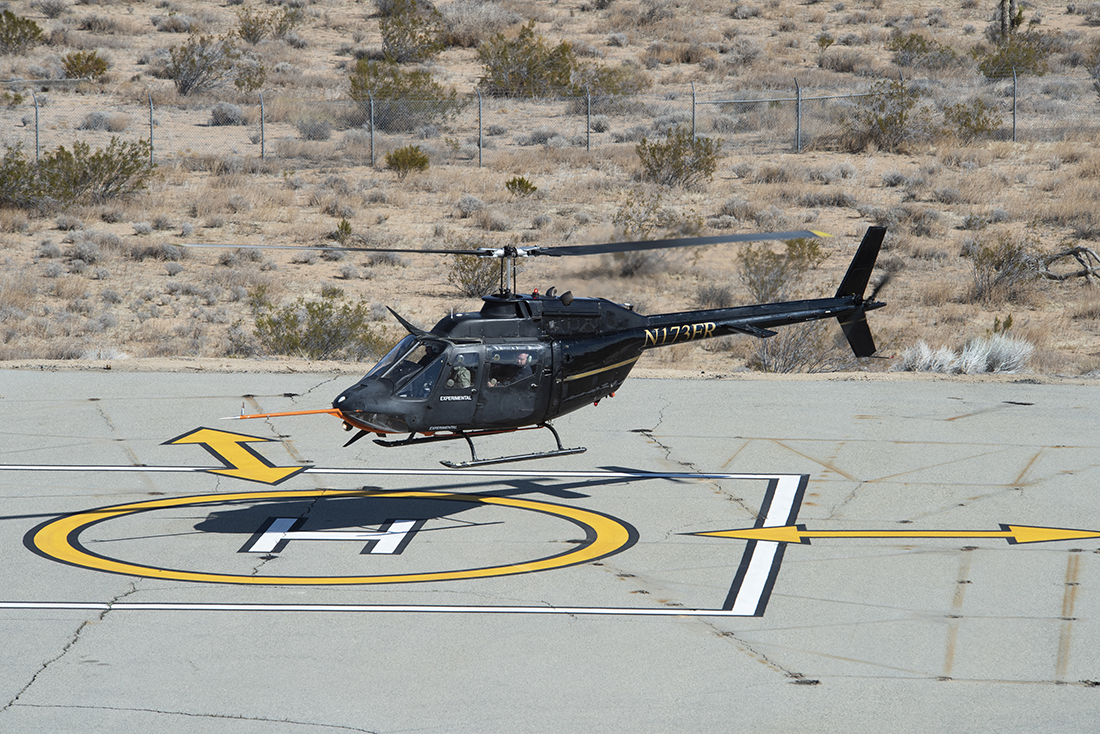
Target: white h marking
column 387, row 541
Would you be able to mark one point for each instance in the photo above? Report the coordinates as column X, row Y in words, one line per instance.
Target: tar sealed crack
column 66, row 648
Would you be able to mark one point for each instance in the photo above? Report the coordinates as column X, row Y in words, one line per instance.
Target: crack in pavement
column 757, row 655
column 67, row 647
column 274, row 556
column 690, row 466
column 191, row 714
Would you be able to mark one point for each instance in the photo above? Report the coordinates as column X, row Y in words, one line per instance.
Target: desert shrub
column 466, row 23
column 680, row 160
column 813, row 347
column 224, row 113
column 411, row 32
column 77, row 176
column 828, row 197
column 328, row 328
column 520, row 186
column 972, row 119
column 402, row 100
column 845, row 61
column 915, row 50
column 254, row 25
column 771, row 276
column 1024, row 53
column 114, row 122
column 884, row 116
column 469, row 205
column 249, row 74
column 18, row 34
column 472, row 275
column 84, row 64
column 526, row 65
column 174, row 23
column 1002, row 270
column 312, row 128
column 714, row 295
column 99, row 24
column 342, row 233
column 201, row 64
column 52, row 9
column 404, row 161
column 69, row 223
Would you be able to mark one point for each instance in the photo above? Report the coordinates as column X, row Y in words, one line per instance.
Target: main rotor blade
column 564, row 250
column 485, row 252
column 612, row 247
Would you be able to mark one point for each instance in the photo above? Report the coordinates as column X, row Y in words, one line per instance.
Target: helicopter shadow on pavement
column 341, row 512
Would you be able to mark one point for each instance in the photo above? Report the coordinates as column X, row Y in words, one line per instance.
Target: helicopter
column 523, row 360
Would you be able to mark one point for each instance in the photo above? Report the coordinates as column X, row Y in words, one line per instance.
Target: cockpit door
column 456, row 396
column 516, row 383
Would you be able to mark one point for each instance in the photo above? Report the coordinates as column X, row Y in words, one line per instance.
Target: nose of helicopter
column 369, row 405
column 360, row 397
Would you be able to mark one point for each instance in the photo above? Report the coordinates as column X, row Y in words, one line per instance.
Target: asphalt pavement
column 835, row 554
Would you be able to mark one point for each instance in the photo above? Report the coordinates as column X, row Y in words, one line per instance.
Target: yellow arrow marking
column 243, row 462
column 799, row 534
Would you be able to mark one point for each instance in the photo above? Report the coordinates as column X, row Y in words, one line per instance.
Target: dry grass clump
column 997, row 353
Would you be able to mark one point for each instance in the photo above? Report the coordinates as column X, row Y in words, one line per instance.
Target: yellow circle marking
column 58, row 539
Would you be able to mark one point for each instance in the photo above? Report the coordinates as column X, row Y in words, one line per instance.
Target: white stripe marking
column 361, row 608
column 760, row 565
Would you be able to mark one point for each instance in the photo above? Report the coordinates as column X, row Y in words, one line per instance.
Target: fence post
column 588, row 120
column 480, row 128
column 693, row 111
column 1014, row 104
column 263, row 141
column 798, row 117
column 150, row 129
column 370, row 96
column 37, row 148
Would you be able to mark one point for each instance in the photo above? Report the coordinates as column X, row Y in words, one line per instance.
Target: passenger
column 504, row 375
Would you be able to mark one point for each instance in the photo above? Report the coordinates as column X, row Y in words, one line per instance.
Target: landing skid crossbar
column 474, row 461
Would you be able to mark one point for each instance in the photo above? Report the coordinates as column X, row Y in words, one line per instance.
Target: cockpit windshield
column 413, row 366
column 392, row 356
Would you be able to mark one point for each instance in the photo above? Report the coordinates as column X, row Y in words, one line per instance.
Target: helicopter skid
column 507, row 459
column 474, row 461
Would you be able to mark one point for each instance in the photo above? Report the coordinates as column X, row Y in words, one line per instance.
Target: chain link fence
column 471, row 130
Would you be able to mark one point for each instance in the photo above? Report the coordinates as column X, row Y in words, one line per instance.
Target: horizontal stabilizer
column 750, row 330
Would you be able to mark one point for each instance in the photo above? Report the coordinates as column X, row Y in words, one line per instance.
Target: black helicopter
column 523, row 360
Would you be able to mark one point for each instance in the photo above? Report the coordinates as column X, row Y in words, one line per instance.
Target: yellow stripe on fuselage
column 601, row 369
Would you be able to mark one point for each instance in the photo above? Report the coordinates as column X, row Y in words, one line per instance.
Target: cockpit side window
column 463, row 371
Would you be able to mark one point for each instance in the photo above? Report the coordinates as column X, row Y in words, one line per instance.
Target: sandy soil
column 141, row 312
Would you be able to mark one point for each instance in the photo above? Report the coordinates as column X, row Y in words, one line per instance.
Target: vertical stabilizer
column 854, row 284
column 859, row 272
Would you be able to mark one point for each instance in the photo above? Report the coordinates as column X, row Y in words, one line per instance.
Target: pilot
column 460, row 374
column 431, row 351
